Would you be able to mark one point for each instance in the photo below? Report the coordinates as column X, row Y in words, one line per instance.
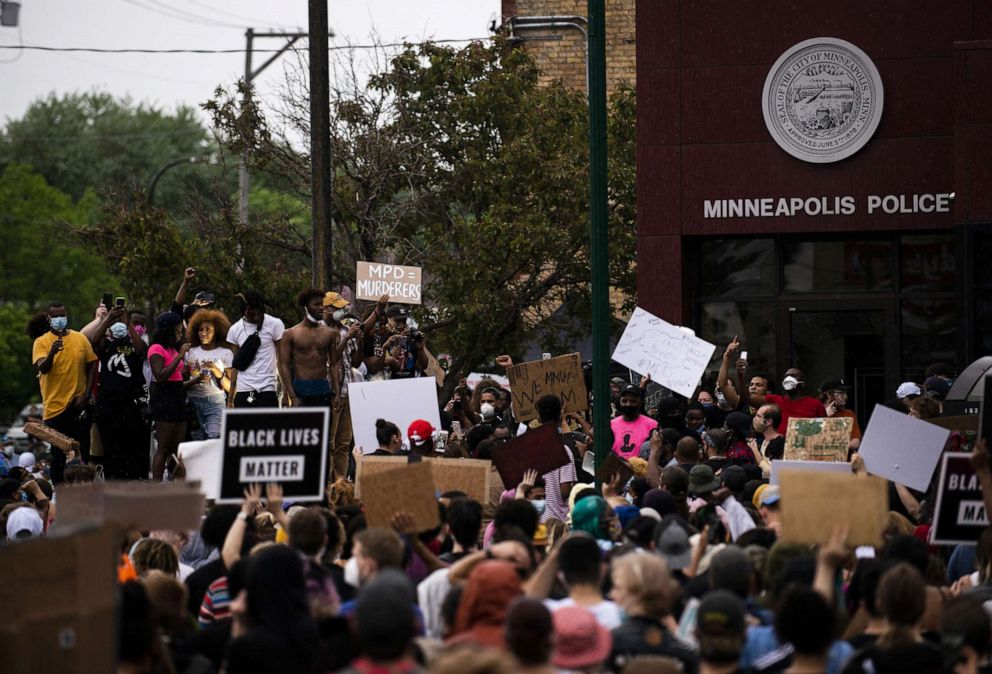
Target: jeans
column 208, row 412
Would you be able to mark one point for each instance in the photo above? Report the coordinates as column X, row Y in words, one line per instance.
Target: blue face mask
column 58, row 323
column 539, row 505
column 118, row 330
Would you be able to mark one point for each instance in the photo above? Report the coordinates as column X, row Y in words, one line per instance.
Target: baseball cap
column 419, row 432
column 631, row 390
column 580, row 641
column 671, row 541
column 721, row 614
column 908, row 389
column 937, row 385
column 738, row 421
column 833, row 385
column 771, row 495
column 640, row 530
column 203, row 298
column 333, row 299
column 620, row 382
column 702, row 479
column 397, row 311
column 24, row 522
column 27, row 460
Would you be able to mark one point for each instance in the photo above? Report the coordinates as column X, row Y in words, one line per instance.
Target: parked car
column 16, row 432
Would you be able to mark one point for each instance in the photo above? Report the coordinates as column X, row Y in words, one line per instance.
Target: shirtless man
column 308, row 357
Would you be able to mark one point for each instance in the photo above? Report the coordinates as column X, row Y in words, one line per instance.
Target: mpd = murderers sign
column 288, row 446
column 375, row 279
column 960, row 515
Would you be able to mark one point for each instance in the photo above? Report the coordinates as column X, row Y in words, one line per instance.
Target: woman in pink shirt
column 167, row 395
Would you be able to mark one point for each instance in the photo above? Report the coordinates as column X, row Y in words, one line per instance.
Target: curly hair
column 220, row 322
column 150, row 553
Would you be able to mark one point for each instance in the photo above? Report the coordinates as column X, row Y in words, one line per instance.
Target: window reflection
column 837, row 266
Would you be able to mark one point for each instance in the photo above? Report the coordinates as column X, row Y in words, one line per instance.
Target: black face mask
column 630, row 412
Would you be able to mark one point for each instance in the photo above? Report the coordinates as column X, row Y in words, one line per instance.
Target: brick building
column 564, row 54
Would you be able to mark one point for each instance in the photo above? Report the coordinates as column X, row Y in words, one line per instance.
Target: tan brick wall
column 566, row 58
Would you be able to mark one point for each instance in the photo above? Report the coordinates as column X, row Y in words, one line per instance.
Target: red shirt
column 803, row 408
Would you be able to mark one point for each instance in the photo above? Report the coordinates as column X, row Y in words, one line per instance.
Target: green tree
column 83, row 141
column 18, row 385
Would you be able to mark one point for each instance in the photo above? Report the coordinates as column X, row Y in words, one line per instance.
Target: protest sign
column 960, row 516
column 820, row 466
column 407, row 488
column 814, row 502
column 51, row 436
column 985, row 409
column 902, row 448
column 204, row 460
column 674, row 358
column 468, row 475
column 614, row 465
column 540, row 450
column 818, row 439
column 132, row 505
column 561, row 376
column 263, row 445
column 375, row 279
column 60, row 593
column 401, row 401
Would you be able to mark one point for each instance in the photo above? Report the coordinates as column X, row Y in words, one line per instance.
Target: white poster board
column 375, row 279
column 203, row 461
column 673, row 357
column 401, row 401
column 902, row 448
column 810, row 466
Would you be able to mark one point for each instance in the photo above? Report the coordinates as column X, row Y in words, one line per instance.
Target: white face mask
column 338, row 315
column 488, row 410
column 790, row 383
column 118, row 330
column 351, row 574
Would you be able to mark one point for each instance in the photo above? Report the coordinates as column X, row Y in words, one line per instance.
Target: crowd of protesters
column 682, row 568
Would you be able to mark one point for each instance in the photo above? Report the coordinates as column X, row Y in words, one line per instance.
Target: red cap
column 420, row 431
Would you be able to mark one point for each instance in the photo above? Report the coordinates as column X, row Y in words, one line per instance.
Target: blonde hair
column 639, row 466
column 646, row 577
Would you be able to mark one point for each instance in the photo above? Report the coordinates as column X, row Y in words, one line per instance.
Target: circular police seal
column 822, row 100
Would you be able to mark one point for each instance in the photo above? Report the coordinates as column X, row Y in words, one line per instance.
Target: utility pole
column 599, row 240
column 320, row 145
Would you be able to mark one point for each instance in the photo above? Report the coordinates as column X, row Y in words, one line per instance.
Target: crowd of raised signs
column 681, row 559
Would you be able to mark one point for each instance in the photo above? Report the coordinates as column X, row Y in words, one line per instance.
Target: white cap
column 24, row 522
column 27, row 460
column 908, row 388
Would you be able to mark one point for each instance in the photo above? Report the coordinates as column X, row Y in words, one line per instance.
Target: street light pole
column 599, row 240
column 320, row 146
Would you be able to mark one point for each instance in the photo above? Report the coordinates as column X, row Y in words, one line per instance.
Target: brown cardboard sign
column 51, row 436
column 60, row 594
column 540, row 450
column 468, row 475
column 818, row 439
column 402, row 284
column 813, row 503
column 408, row 488
column 561, row 376
column 614, row 465
column 137, row 505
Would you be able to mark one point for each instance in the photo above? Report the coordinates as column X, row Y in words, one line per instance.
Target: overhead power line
column 100, row 50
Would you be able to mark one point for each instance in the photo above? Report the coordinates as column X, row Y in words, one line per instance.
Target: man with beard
column 795, row 403
column 631, row 428
column 308, row 356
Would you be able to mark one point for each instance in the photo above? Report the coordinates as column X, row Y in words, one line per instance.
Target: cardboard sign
column 614, row 465
column 540, row 450
column 902, row 448
column 960, row 516
column 401, row 401
column 288, row 446
column 468, row 475
column 818, row 439
column 52, row 437
column 132, row 505
column 813, row 503
column 408, row 488
column 561, row 376
column 60, row 592
column 841, row 467
column 673, row 357
column 402, row 284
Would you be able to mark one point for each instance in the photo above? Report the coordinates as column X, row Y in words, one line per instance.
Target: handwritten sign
column 561, row 376
column 674, row 358
column 402, row 284
column 818, row 439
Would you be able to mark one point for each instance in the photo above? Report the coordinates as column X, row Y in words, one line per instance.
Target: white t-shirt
column 196, row 357
column 261, row 376
column 607, row 612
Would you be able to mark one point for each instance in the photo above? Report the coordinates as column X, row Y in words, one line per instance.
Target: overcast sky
column 169, row 80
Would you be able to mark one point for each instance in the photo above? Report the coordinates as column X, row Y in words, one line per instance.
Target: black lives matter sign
column 960, row 510
column 288, row 446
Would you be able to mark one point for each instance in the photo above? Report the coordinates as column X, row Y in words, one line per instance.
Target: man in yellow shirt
column 66, row 367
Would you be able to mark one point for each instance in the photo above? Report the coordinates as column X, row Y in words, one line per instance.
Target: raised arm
column 723, row 378
column 188, row 275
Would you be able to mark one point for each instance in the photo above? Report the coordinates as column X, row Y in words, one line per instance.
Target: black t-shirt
column 774, row 448
column 919, row 658
column 639, row 635
column 120, row 369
